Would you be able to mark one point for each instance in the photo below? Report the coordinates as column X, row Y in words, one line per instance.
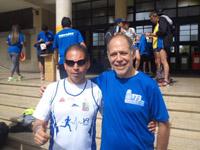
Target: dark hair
column 44, row 27
column 153, row 13
column 79, row 47
column 129, row 41
column 66, row 22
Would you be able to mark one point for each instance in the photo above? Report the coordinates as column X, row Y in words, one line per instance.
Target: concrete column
column 63, row 9
column 120, row 9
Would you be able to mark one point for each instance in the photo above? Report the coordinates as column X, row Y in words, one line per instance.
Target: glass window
column 185, row 3
column 99, row 20
column 83, row 6
column 184, row 49
column 165, row 4
column 142, row 16
column 142, row 29
column 170, row 12
column 98, row 39
column 189, row 32
column 99, row 4
column 189, row 11
column 98, row 12
column 144, row 6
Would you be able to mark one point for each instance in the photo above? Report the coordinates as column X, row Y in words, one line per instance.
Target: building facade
column 94, row 17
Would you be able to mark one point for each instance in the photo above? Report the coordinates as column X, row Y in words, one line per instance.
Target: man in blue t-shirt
column 131, row 100
column 64, row 39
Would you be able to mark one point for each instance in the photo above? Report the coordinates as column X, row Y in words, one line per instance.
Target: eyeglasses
column 71, row 63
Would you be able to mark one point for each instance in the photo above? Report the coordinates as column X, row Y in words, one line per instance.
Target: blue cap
column 118, row 20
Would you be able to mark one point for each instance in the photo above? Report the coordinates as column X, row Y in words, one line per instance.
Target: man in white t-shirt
column 71, row 106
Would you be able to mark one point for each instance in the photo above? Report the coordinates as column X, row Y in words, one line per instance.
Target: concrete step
column 184, row 140
column 185, row 120
column 185, row 104
column 18, row 101
column 20, row 90
column 6, row 113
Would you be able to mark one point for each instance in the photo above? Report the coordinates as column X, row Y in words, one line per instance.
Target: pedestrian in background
column 44, row 46
column 63, row 40
column 15, row 43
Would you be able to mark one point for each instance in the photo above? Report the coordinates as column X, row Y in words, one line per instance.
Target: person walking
column 64, row 39
column 15, row 43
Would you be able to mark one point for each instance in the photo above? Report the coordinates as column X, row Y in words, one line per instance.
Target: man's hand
column 152, row 126
column 42, row 89
column 39, row 131
column 40, row 136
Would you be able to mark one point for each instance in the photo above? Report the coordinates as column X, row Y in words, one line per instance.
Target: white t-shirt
column 72, row 111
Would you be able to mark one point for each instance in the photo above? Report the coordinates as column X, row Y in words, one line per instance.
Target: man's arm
column 83, row 44
column 39, row 131
column 163, row 135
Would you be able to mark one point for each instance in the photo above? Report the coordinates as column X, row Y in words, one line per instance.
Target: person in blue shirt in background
column 146, row 51
column 15, row 43
column 45, row 38
column 63, row 40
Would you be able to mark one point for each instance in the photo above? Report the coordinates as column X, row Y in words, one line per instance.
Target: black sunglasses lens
column 70, row 62
column 81, row 62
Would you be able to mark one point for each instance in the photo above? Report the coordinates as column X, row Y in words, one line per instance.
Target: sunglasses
column 71, row 63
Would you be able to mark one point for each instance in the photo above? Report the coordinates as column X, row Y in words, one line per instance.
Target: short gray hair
column 129, row 40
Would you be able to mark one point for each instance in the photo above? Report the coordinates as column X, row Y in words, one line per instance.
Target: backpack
column 4, row 129
column 170, row 23
column 23, row 123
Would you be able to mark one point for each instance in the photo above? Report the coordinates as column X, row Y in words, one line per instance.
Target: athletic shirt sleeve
column 158, row 110
column 43, row 108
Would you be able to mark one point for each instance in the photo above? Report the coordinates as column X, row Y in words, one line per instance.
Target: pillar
column 121, row 9
column 63, row 9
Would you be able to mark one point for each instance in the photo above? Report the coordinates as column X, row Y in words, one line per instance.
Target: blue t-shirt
column 15, row 47
column 64, row 39
column 129, row 104
column 46, row 37
column 145, row 47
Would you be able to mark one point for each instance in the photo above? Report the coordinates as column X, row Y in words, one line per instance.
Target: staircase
column 182, row 100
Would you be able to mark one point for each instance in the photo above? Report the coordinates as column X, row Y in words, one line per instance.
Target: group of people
column 46, row 43
column 158, row 43
column 128, row 100
column 58, row 44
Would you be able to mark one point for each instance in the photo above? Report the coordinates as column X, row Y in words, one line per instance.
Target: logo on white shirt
column 134, row 99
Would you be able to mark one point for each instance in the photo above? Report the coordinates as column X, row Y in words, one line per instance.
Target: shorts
column 41, row 59
column 159, row 46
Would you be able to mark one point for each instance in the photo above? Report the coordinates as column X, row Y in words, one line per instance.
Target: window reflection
column 189, row 32
column 98, row 39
